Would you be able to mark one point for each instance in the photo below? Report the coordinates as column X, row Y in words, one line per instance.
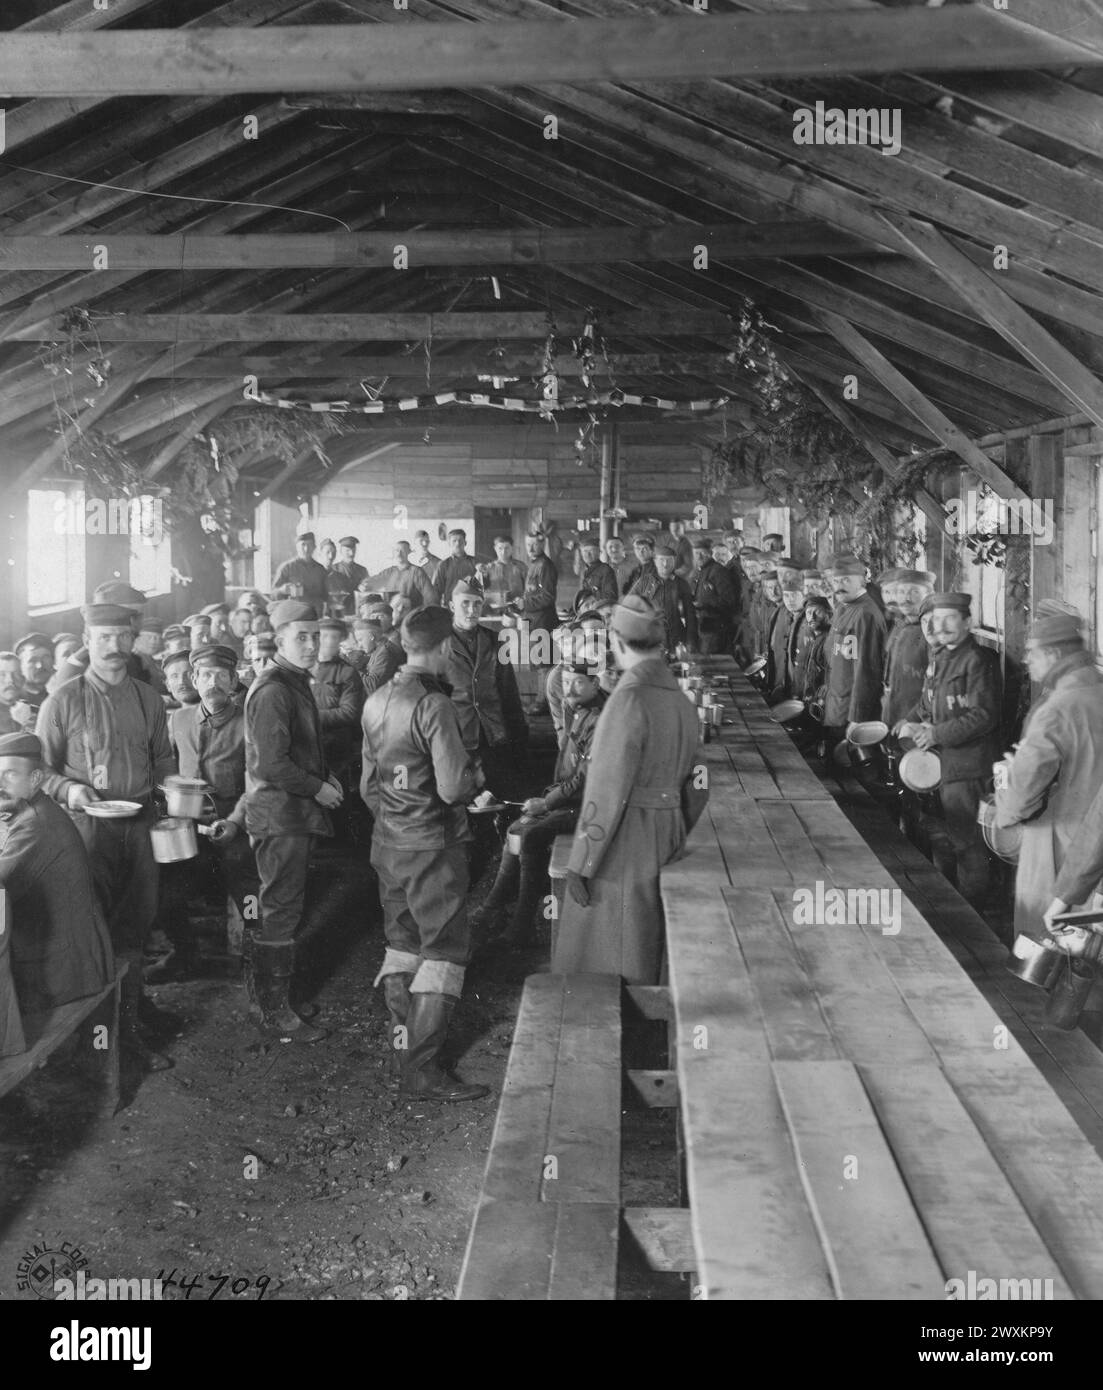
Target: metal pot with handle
column 173, row 839
column 184, row 796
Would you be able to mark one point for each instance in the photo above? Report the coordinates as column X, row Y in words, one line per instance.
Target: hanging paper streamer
column 491, row 402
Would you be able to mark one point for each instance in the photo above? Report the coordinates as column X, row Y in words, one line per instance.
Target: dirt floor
column 260, row 1169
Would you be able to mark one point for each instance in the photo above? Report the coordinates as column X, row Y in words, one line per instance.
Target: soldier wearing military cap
column 387, row 654
column 419, row 775
column 57, row 949
column 339, row 693
column 906, row 655
column 768, row 608
column 345, row 575
column 634, row 810
column 406, row 579
column 1055, row 774
column 176, row 669
column 302, row 576
column 643, row 550
column 595, row 576
column 523, row 878
column 618, row 561
column 289, row 794
column 36, row 662
column 456, row 565
column 104, row 735
column 714, row 598
column 209, row 737
column 16, row 716
column 855, row 648
column 958, row 715
column 199, row 629
column 672, row 597
column 748, row 635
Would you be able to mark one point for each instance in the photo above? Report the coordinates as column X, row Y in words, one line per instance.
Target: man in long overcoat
column 631, row 822
column 1057, row 769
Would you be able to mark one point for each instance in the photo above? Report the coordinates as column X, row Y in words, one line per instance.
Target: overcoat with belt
column 1053, row 780
column 630, row 825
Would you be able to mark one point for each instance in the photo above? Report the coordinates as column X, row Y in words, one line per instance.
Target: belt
column 656, row 798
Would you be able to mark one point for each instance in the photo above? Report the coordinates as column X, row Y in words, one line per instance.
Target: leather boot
column 132, row 1037
column 502, row 892
column 268, row 970
column 533, row 878
column 396, row 995
column 427, row 1028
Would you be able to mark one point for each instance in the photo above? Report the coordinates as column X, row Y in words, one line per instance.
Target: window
column 55, row 549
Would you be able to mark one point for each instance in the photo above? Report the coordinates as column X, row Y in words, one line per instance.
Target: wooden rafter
column 417, row 56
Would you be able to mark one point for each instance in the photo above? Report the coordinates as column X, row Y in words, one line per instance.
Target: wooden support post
column 195, row 424
column 917, row 403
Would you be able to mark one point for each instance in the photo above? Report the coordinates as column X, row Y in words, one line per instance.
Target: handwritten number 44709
column 195, row 1283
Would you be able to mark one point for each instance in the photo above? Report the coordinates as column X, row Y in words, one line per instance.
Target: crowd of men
column 396, row 688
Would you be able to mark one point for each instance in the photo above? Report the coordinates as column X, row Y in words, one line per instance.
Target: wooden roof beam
column 925, row 411
column 999, row 310
column 196, row 423
column 419, row 56
column 459, row 246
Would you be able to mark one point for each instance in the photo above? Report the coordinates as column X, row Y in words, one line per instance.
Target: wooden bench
column 557, row 872
column 547, row 1223
column 97, row 1019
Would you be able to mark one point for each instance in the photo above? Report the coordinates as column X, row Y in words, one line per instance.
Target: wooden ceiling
column 675, row 129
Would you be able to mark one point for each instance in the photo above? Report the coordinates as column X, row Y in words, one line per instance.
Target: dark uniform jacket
column 60, row 949
column 344, row 579
column 600, row 580
column 713, row 597
column 418, row 776
column 636, row 573
column 505, row 580
column 212, row 748
column 574, row 756
column 309, row 576
column 407, row 580
column 855, row 662
column 778, row 685
column 384, row 661
column 449, row 573
column 961, row 699
column 810, row 678
column 339, row 694
column 906, row 659
column 674, row 600
column 484, row 691
column 538, row 599
column 284, row 763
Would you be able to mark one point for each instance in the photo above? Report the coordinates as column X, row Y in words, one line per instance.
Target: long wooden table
column 858, row 1120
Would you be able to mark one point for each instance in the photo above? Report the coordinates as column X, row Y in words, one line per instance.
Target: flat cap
column 214, row 654
column 644, row 538
column 464, row 588
column 174, row 631
column 635, row 620
column 953, row 599
column 843, row 564
column 250, row 598
column 915, row 577
column 106, row 615
column 291, row 610
column 20, row 746
column 581, row 667
column 334, row 625
column 66, row 637
column 348, row 540
column 151, row 625
column 118, row 591
column 666, row 550
column 213, row 608
column 305, row 536
column 197, row 620
column 1055, row 627
column 891, row 576
column 34, row 639
column 169, row 658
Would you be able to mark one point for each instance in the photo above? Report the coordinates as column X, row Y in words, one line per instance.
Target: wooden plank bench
column 97, row 1019
column 557, row 872
column 547, row 1223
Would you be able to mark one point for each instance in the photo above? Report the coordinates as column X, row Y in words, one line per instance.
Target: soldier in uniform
column 455, row 566
column 386, row 656
column 418, row 777
column 781, row 672
column 619, row 563
column 672, row 597
column 16, row 716
column 906, row 653
column 1057, row 770
column 403, row 578
column 632, row 820
column 537, row 602
column 36, row 662
column 505, row 577
column 855, row 649
column 288, row 796
column 302, row 576
column 339, row 693
column 422, row 556
column 104, row 736
column 958, row 716
column 750, row 562
column 209, row 738
column 767, row 607
column 643, row 549
column 347, row 575
column 524, row 876
column 713, row 598
column 596, row 578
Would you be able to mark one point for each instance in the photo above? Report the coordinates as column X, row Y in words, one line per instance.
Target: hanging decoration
column 613, row 398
